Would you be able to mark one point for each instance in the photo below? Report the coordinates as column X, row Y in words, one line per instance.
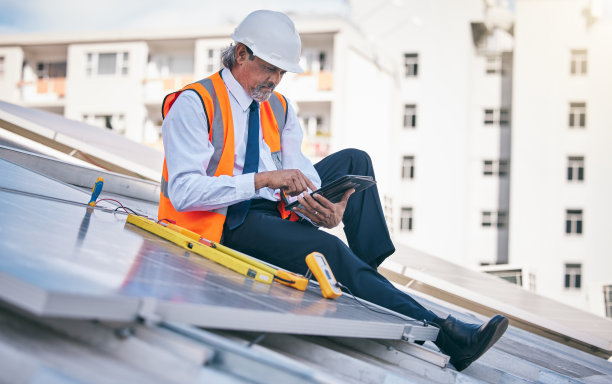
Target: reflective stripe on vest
column 217, row 109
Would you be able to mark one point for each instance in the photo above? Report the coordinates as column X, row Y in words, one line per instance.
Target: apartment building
column 561, row 150
column 118, row 80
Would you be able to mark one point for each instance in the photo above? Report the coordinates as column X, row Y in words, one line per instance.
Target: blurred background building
column 486, row 121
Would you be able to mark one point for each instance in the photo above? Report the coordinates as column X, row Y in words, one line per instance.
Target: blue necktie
column 237, row 212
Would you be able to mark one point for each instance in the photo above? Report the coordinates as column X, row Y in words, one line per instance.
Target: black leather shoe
column 464, row 342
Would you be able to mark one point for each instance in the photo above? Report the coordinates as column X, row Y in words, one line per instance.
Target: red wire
column 116, row 201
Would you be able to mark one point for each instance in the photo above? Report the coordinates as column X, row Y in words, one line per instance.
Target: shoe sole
column 500, row 329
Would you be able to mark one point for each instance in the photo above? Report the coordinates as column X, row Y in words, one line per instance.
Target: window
column 578, row 65
column 575, row 168
column 408, row 167
column 504, row 116
column 406, row 220
column 494, row 218
column 213, row 60
column 48, row 70
column 315, row 61
column 112, row 122
column 573, row 221
column 607, row 291
column 105, row 64
column 573, row 275
column 322, row 60
column 577, row 115
column 495, row 167
column 514, row 276
column 1, row 66
column 488, row 168
column 496, row 116
column 489, row 117
column 409, row 116
column 494, row 64
column 411, row 64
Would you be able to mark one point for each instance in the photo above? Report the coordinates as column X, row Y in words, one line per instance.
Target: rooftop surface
column 87, row 298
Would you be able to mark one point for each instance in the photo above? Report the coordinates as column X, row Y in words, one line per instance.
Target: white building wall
column 545, row 34
column 11, row 73
column 447, row 193
column 115, row 94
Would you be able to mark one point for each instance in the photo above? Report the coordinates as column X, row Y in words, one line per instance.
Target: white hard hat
column 272, row 37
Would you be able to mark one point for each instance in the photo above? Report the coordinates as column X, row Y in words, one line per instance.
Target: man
column 232, row 145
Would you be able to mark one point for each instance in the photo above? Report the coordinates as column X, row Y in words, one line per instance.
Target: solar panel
column 65, row 259
column 47, row 127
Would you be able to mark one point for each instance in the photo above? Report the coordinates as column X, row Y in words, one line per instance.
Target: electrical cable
column 342, row 286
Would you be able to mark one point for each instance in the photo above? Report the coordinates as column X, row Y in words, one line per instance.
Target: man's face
column 258, row 77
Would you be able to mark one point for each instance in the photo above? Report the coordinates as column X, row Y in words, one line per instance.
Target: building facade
column 561, row 150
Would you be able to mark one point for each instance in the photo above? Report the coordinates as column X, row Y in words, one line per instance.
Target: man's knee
column 358, row 158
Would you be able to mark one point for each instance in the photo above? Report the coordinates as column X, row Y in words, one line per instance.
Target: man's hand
column 292, row 181
column 322, row 211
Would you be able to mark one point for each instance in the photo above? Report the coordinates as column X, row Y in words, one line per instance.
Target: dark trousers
column 284, row 243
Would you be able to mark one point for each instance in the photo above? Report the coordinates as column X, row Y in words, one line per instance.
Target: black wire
column 257, row 340
column 128, row 209
column 342, row 286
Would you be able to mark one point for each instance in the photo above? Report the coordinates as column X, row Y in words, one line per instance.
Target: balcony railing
column 47, row 89
column 156, row 88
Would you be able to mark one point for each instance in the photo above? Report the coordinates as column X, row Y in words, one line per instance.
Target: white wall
column 541, row 142
column 13, row 59
column 108, row 94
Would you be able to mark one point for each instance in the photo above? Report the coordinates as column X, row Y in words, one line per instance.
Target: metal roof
column 488, row 294
column 98, row 146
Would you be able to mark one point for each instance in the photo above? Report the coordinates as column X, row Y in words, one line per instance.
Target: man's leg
column 364, row 221
column 286, row 244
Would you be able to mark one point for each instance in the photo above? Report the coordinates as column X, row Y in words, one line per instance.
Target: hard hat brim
column 284, row 65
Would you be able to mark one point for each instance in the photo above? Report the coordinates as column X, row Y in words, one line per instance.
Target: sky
column 36, row 16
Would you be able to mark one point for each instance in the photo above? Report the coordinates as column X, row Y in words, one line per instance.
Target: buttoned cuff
column 245, row 185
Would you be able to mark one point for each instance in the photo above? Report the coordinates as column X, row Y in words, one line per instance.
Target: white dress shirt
column 188, row 152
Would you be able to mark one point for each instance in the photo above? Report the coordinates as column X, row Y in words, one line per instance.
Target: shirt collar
column 236, row 90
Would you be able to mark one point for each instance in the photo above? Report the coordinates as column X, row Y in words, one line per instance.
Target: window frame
column 494, row 219
column 406, row 219
column 572, row 276
column 408, row 167
column 410, row 116
column 577, row 115
column 575, row 169
column 411, row 64
column 574, row 225
column 578, row 62
column 122, row 64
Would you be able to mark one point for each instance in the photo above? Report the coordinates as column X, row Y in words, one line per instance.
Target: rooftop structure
column 87, row 298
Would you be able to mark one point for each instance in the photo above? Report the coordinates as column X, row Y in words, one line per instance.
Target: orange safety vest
column 218, row 112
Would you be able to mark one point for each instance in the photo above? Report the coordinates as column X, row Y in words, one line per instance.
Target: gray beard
column 260, row 96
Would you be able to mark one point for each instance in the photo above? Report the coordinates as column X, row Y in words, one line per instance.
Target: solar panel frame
column 62, row 258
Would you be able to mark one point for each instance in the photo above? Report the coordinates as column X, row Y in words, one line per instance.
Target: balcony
column 155, row 89
column 313, row 85
column 44, row 90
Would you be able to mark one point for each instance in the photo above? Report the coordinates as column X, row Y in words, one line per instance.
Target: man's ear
column 241, row 53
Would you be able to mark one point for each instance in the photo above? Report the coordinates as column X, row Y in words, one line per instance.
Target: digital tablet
column 335, row 190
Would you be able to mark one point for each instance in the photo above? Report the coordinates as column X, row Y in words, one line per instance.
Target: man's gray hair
column 228, row 56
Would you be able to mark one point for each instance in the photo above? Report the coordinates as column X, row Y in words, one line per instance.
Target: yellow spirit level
column 221, row 254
